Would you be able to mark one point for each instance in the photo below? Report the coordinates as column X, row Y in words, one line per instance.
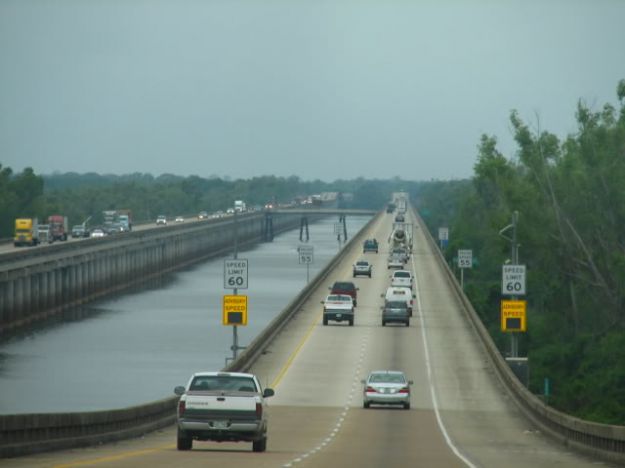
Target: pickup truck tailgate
column 208, row 405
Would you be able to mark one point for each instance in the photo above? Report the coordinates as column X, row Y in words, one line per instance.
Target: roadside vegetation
column 570, row 196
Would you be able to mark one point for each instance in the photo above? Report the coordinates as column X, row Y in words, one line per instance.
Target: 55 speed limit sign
column 465, row 258
column 513, row 280
column 235, row 273
column 306, row 253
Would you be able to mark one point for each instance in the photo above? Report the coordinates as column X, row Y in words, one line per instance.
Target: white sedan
column 386, row 387
column 97, row 233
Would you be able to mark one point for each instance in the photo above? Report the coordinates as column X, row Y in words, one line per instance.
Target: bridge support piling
column 303, row 228
column 267, row 228
column 344, row 226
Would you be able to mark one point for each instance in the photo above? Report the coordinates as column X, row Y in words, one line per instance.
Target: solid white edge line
column 429, row 372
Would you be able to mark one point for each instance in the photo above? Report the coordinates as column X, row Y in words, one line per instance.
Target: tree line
column 570, row 197
column 83, row 197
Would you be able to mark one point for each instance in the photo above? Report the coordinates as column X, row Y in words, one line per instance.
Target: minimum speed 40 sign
column 513, row 280
column 235, row 273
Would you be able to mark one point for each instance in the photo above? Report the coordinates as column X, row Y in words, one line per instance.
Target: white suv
column 402, row 278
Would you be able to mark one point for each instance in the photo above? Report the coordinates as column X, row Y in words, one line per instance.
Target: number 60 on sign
column 513, row 280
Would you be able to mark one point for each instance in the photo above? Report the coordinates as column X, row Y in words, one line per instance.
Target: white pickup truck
column 222, row 406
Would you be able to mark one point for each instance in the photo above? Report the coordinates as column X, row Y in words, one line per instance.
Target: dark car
column 400, row 218
column 80, row 231
column 395, row 312
column 345, row 287
column 370, row 245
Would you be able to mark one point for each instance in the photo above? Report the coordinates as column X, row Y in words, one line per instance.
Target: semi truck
column 124, row 217
column 26, row 232
column 110, row 220
column 239, row 206
column 45, row 234
column 58, row 227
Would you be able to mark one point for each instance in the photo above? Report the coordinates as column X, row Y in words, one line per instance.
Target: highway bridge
column 467, row 407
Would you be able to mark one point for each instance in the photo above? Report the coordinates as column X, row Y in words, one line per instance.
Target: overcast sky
column 315, row 88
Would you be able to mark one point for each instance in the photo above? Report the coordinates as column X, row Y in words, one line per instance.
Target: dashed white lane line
column 334, row 432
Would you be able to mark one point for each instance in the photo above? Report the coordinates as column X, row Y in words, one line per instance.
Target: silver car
column 386, row 387
column 395, row 261
column 362, row 267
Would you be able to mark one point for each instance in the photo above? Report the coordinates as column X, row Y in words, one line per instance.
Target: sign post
column 512, row 277
column 234, row 312
column 465, row 260
column 306, row 255
column 443, row 236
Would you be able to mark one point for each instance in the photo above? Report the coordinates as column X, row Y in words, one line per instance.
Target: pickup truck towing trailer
column 222, row 406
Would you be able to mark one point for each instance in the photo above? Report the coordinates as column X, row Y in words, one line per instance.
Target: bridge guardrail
column 599, row 440
column 22, row 434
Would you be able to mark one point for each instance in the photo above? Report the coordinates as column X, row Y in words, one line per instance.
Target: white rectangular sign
column 306, row 253
column 235, row 273
column 465, row 258
column 443, row 233
column 513, row 280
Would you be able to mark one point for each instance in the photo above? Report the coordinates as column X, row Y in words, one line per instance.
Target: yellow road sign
column 234, row 310
column 513, row 316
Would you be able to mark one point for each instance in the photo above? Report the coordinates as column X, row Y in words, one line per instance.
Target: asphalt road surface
column 460, row 415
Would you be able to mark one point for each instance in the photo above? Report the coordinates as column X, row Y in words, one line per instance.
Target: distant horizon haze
column 323, row 90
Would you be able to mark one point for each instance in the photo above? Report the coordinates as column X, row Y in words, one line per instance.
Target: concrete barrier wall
column 598, row 440
column 42, row 282
column 32, row 433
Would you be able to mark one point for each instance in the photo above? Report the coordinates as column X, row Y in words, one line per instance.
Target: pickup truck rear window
column 212, row 383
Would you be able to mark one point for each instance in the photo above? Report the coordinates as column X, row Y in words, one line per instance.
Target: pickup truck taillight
column 259, row 410
column 181, row 407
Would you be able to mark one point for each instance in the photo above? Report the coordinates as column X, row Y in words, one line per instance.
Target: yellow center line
column 117, row 457
column 294, row 354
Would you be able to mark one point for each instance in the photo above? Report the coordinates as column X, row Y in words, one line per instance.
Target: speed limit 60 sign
column 513, row 280
column 235, row 273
